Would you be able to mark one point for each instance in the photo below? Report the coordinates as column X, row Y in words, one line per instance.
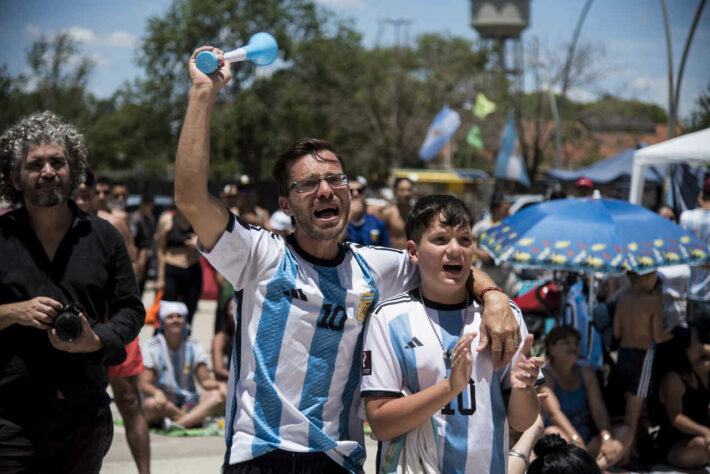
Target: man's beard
column 46, row 197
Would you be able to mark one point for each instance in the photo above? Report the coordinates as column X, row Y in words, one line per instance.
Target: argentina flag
column 508, row 164
column 440, row 131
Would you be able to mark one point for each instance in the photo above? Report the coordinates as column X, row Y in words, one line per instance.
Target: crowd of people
column 331, row 311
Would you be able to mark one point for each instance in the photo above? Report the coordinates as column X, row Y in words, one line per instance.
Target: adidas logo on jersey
column 296, row 293
column 414, row 343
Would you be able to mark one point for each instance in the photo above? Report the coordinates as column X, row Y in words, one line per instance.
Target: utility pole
column 674, row 96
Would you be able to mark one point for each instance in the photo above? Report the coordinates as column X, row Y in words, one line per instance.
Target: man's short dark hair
column 451, row 211
column 147, row 198
column 102, row 180
column 303, row 147
column 41, row 128
column 399, row 180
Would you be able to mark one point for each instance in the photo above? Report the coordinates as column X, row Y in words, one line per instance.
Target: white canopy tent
column 693, row 148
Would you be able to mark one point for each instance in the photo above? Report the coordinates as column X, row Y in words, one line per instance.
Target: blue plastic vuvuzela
column 262, row 50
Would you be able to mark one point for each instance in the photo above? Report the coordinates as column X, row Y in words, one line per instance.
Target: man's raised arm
column 206, row 213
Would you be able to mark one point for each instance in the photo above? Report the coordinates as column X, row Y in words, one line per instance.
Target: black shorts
column 285, row 462
column 65, row 438
column 635, row 367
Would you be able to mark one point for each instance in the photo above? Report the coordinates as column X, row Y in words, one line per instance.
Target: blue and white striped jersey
column 697, row 222
column 175, row 370
column 401, row 354
column 295, row 371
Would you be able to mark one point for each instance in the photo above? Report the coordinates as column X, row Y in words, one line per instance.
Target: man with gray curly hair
column 69, row 304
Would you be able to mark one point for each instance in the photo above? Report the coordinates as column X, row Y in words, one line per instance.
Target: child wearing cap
column 173, row 361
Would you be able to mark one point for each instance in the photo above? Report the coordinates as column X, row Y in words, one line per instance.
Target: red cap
column 584, row 183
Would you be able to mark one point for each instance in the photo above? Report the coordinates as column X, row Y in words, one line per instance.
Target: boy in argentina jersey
column 418, row 363
column 301, row 302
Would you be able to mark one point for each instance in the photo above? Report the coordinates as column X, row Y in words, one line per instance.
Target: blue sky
column 631, row 32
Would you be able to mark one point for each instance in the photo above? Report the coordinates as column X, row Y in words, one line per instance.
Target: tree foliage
column 374, row 105
column 700, row 115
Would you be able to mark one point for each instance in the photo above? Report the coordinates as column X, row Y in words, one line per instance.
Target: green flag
column 474, row 138
column 483, row 106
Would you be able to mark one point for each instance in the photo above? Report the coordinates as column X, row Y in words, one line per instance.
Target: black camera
column 68, row 322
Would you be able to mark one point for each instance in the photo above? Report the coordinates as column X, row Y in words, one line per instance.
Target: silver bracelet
column 516, row 453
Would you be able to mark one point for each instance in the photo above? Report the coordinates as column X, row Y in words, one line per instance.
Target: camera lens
column 68, row 324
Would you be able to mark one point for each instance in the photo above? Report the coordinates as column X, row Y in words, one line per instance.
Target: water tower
column 501, row 20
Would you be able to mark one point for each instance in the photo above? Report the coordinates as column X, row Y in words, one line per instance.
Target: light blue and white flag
column 508, row 164
column 441, row 130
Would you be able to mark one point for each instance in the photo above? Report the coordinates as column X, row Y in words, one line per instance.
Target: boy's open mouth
column 453, row 267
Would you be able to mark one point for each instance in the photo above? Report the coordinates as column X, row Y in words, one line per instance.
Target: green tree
column 58, row 82
column 700, row 116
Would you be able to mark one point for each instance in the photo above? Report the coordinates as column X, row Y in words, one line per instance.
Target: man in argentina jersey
column 401, row 352
column 302, row 301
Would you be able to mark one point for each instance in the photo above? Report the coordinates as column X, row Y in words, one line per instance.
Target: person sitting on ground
column 173, row 361
column 556, row 456
column 684, row 437
column 418, row 344
column 574, row 407
column 638, row 324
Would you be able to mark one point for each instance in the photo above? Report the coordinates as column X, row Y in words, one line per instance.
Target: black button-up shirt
column 91, row 267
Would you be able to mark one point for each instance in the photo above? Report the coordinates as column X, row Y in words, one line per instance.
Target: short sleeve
column 150, row 357
column 244, row 252
column 198, row 352
column 394, row 273
column 381, row 373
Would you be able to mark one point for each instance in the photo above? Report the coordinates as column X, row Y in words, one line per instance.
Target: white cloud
column 32, row 32
column 582, row 95
column 343, row 4
column 81, row 35
column 116, row 39
column 121, row 39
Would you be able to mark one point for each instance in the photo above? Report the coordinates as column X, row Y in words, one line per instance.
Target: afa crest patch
column 366, row 300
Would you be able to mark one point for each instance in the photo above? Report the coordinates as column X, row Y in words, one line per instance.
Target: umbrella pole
column 590, row 293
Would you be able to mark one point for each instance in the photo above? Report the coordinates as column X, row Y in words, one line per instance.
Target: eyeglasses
column 308, row 185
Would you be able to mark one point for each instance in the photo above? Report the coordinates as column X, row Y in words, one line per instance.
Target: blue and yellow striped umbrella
column 592, row 235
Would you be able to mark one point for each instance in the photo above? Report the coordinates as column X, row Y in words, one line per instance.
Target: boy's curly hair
column 40, row 128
